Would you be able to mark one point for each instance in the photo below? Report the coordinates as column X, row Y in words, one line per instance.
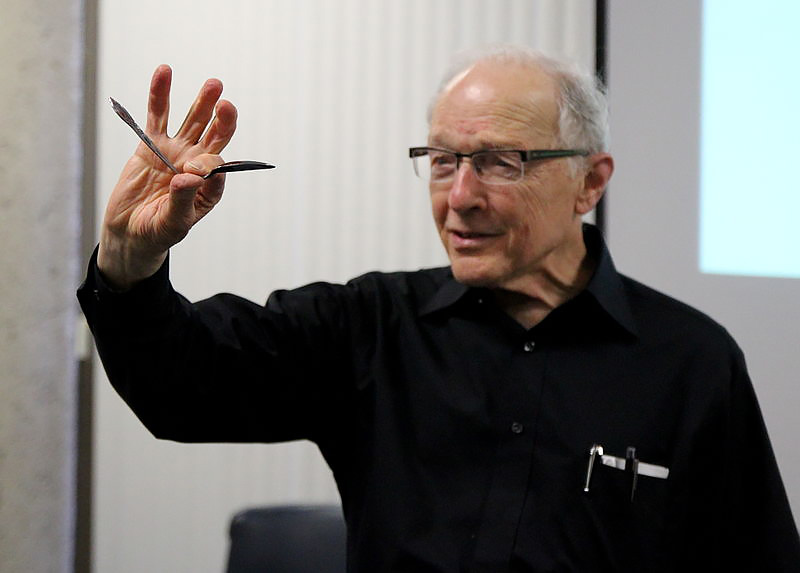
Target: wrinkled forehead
column 497, row 101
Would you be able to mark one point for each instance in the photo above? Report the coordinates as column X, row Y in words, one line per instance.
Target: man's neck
column 529, row 300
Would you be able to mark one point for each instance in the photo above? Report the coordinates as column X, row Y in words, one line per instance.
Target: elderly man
column 525, row 409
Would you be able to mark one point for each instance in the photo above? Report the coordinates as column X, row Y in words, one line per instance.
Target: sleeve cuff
column 147, row 297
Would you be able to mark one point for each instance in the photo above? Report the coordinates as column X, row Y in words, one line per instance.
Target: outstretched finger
column 222, row 128
column 158, row 102
column 201, row 112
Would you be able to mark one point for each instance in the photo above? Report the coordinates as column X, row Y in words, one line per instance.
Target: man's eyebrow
column 436, row 141
column 508, row 144
column 482, row 144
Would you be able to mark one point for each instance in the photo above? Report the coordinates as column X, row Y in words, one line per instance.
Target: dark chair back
column 288, row 539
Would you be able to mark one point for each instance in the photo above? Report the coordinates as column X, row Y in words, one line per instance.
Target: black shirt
column 460, row 440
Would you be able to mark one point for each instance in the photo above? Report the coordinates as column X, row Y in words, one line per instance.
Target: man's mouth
column 461, row 239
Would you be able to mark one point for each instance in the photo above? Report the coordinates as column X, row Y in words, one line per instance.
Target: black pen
column 632, row 467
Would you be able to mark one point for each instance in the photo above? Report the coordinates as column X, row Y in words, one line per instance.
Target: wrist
column 122, row 265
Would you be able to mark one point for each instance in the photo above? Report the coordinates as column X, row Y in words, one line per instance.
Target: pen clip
column 594, row 451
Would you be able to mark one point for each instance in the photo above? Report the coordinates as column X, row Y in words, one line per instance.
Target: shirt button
column 517, row 428
column 529, row 346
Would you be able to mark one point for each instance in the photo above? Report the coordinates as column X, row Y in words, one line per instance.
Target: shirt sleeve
column 225, row 369
column 761, row 532
column 738, row 515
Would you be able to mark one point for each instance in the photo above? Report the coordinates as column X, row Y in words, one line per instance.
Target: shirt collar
column 605, row 286
column 448, row 294
column 606, row 283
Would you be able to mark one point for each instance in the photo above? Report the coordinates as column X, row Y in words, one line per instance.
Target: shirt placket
column 517, row 400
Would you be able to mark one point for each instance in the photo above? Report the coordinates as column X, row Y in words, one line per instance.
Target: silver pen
column 594, row 451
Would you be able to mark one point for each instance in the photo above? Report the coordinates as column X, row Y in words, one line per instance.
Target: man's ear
column 601, row 166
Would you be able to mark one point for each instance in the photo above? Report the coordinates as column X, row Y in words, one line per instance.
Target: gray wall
column 40, row 171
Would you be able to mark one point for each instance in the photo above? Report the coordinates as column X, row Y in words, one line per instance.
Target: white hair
column 582, row 102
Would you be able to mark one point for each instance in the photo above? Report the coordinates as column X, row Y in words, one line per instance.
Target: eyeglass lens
column 489, row 166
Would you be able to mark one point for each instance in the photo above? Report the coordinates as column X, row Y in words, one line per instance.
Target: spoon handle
column 126, row 117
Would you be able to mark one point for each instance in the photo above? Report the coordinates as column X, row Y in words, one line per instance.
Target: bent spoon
column 228, row 167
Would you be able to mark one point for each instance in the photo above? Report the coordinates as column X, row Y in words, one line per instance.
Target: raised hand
column 151, row 208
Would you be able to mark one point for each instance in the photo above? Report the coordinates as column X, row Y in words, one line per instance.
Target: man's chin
column 474, row 276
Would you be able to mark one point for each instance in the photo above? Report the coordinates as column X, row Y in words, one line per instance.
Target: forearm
column 223, row 369
column 149, row 347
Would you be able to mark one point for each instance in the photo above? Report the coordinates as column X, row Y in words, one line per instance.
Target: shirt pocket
column 636, row 524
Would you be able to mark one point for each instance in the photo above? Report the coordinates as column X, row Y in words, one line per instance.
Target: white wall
column 333, row 92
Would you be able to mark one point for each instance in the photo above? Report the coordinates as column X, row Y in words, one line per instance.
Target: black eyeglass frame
column 525, row 155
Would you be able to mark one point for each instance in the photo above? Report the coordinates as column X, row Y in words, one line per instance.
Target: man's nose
column 466, row 191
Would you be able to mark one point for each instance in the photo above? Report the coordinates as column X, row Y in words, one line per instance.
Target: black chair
column 288, row 539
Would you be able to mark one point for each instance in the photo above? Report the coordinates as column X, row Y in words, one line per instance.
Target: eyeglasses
column 492, row 166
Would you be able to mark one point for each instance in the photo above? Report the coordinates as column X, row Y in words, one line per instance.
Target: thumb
column 182, row 190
